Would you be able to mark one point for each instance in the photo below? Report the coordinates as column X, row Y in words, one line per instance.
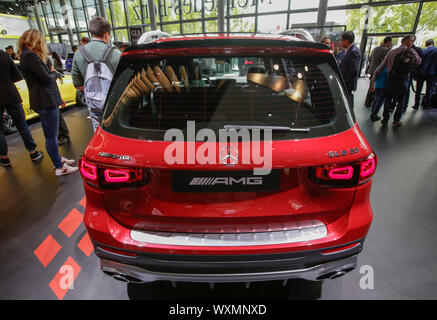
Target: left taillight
column 89, row 172
column 105, row 176
column 344, row 175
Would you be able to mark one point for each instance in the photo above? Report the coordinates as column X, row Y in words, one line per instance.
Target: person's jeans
column 379, row 100
column 430, row 89
column 407, row 94
column 95, row 119
column 50, row 127
column 419, row 86
column 17, row 115
column 396, row 92
column 63, row 129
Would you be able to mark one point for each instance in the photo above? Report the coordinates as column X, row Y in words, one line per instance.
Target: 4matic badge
column 341, row 153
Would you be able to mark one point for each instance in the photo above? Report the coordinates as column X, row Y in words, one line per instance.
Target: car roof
column 224, row 39
column 242, row 35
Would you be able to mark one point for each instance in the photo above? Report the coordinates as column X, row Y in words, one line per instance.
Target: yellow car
column 69, row 94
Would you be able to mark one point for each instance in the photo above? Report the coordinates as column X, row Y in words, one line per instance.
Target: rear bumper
column 139, row 275
column 140, row 260
column 310, row 265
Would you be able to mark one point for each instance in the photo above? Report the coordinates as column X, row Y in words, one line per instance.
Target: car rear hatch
column 188, row 182
column 171, row 201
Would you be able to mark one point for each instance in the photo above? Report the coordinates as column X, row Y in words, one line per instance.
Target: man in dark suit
column 10, row 101
column 350, row 65
column 427, row 72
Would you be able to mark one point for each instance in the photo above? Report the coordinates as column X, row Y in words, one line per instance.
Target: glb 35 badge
column 341, row 153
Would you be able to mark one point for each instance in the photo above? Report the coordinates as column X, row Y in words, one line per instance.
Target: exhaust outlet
column 335, row 274
column 122, row 277
column 338, row 274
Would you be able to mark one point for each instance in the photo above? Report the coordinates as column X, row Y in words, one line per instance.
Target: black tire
column 4, row 32
column 80, row 99
column 8, row 124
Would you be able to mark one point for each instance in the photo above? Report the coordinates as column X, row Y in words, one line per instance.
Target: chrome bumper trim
column 304, row 231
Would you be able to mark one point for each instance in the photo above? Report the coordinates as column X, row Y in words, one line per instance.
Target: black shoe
column 5, row 162
column 62, row 141
column 397, row 124
column 384, row 122
column 374, row 118
column 415, row 107
column 36, row 155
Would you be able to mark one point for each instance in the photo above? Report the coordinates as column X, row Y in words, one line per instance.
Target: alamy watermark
column 67, row 280
column 367, row 280
column 253, row 151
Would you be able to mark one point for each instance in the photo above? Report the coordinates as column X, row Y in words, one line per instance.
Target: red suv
column 167, row 201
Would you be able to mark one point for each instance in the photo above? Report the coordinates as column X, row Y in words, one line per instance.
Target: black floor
column 400, row 247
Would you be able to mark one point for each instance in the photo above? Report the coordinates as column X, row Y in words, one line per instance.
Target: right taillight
column 110, row 177
column 367, row 168
column 344, row 175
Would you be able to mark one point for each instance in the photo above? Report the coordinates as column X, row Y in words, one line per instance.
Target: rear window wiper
column 273, row 128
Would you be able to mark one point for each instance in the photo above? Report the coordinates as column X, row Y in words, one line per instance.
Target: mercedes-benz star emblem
column 229, row 156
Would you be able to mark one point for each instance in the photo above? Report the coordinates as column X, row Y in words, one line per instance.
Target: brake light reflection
column 344, row 173
column 116, row 175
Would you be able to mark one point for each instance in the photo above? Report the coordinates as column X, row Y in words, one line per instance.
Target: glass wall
column 271, row 16
column 427, row 24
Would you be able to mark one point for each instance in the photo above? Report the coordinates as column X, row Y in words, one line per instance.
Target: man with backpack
column 93, row 67
column 400, row 63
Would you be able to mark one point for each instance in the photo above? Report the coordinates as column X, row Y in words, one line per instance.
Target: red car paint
column 346, row 212
column 112, row 213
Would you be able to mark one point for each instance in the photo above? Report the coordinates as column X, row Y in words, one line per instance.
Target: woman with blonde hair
column 44, row 96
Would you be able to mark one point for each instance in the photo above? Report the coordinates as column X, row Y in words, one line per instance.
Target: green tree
column 211, row 25
column 394, row 18
column 134, row 10
column 428, row 21
column 354, row 17
column 242, row 24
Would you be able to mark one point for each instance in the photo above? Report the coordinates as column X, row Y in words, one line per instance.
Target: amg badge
column 224, row 181
column 227, row 181
column 113, row 156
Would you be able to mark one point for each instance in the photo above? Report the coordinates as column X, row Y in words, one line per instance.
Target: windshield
column 150, row 96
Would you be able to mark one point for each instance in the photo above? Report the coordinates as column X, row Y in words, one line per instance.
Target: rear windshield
column 150, row 96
